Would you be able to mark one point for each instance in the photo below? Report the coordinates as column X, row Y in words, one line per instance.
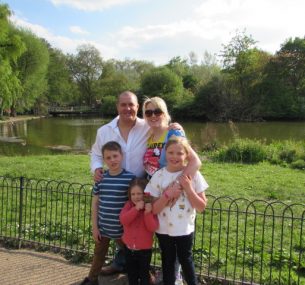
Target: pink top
column 138, row 227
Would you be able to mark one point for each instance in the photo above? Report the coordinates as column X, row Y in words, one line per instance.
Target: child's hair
column 178, row 140
column 141, row 182
column 111, row 145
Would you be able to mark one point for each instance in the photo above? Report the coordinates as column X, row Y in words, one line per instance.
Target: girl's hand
column 96, row 234
column 186, row 182
column 148, row 208
column 139, row 205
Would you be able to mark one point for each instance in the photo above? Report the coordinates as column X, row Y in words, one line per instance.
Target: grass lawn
column 237, row 240
column 250, row 181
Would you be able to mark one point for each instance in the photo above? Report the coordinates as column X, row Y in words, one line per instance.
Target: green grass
column 251, row 181
column 223, row 240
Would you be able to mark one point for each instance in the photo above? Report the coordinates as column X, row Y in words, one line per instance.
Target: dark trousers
column 100, row 252
column 138, row 265
column 171, row 248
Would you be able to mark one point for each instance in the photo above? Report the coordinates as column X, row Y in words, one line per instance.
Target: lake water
column 57, row 135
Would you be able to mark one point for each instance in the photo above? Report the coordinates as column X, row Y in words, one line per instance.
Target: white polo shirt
column 178, row 220
column 133, row 149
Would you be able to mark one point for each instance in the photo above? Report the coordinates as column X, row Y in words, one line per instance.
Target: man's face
column 127, row 107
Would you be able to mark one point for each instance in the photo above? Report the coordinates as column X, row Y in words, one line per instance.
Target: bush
column 242, row 150
column 298, row 164
column 286, row 153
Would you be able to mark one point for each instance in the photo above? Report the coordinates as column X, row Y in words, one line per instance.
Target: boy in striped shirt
column 109, row 197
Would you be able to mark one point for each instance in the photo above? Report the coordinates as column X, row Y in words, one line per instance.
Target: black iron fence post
column 21, row 187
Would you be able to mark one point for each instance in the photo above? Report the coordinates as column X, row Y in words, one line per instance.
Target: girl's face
column 136, row 194
column 176, row 157
column 155, row 118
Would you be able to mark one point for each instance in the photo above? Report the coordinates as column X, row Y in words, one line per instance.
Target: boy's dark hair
column 141, row 182
column 112, row 145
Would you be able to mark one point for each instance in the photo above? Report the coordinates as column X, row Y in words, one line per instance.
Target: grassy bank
column 240, row 240
column 252, row 181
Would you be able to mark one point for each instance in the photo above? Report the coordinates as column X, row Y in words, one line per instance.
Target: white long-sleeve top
column 133, row 149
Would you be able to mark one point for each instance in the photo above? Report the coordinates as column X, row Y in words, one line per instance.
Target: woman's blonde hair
column 158, row 103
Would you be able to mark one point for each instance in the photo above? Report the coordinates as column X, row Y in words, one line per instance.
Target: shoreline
column 20, row 118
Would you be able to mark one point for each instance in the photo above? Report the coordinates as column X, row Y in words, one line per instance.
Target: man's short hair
column 111, row 145
column 127, row 92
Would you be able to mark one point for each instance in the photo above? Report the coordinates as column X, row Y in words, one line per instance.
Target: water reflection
column 55, row 135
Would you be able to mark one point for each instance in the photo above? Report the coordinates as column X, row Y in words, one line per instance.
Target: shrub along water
column 284, row 153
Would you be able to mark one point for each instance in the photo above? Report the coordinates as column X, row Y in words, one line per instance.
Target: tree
column 244, row 65
column 284, row 82
column 86, row 68
column 61, row 88
column 11, row 47
column 164, row 83
column 32, row 69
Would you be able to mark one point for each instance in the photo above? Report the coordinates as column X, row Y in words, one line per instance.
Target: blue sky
column 157, row 30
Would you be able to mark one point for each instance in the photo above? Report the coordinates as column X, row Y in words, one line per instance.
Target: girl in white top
column 177, row 215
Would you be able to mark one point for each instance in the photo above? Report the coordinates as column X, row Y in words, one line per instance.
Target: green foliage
column 164, row 83
column 11, row 48
column 61, row 89
column 243, row 151
column 86, row 68
column 298, row 164
column 283, row 84
column 287, row 153
column 284, row 153
column 32, row 68
column 109, row 106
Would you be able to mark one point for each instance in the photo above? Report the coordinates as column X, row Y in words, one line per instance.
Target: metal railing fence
column 237, row 241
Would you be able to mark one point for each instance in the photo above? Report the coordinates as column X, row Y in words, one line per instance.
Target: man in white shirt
column 131, row 133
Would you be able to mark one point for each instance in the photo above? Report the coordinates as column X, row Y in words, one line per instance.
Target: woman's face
column 154, row 116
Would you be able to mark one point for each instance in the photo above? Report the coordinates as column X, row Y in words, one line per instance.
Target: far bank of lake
column 77, row 134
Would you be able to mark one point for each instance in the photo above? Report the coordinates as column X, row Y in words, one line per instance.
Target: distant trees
column 164, row 83
column 284, row 84
column 32, row 68
column 247, row 84
column 11, row 48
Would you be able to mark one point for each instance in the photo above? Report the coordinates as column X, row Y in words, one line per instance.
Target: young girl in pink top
column 139, row 225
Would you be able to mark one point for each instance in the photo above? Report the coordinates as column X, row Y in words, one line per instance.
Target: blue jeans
column 119, row 261
column 171, row 248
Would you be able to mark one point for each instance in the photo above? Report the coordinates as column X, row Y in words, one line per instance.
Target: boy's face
column 113, row 159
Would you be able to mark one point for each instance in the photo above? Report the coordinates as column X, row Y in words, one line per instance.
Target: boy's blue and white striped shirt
column 112, row 192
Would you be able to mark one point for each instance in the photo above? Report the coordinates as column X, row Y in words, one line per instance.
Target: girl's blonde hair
column 158, row 103
column 181, row 141
column 141, row 182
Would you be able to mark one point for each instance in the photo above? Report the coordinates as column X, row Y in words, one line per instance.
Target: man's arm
column 96, row 158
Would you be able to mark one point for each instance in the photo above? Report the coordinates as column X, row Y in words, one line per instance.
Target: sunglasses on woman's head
column 158, row 112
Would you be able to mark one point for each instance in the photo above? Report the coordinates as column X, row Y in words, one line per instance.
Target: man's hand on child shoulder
column 98, row 174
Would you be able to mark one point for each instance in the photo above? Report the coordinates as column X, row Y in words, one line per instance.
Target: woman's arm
column 193, row 165
column 197, row 200
column 159, row 204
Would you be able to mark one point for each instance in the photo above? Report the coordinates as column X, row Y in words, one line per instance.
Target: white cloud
column 210, row 24
column 91, row 5
column 67, row 45
column 78, row 30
